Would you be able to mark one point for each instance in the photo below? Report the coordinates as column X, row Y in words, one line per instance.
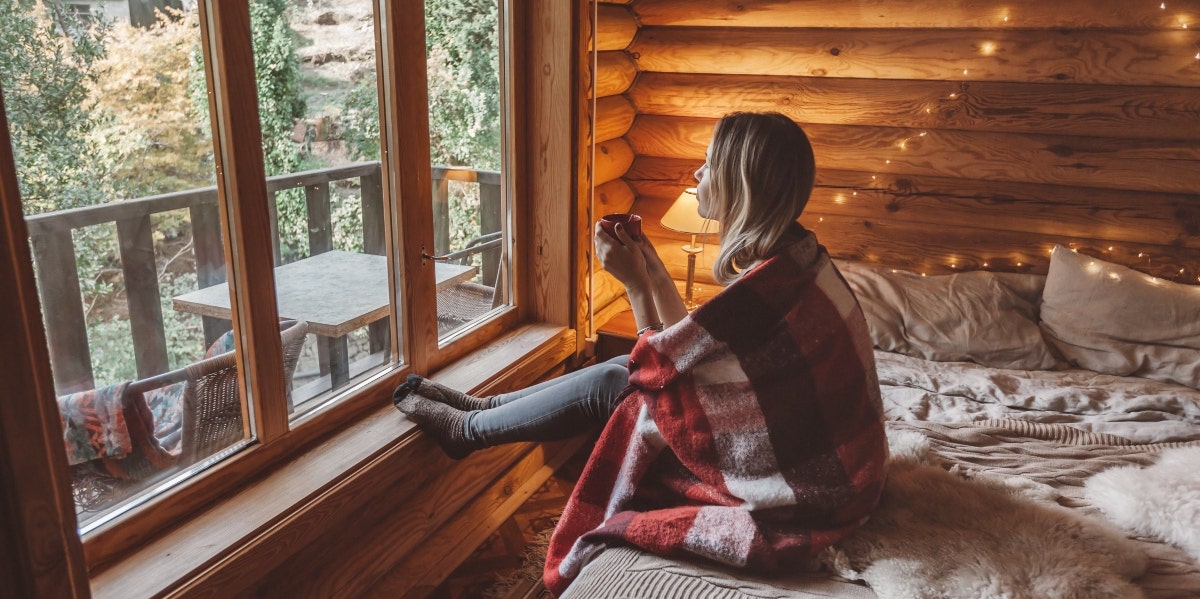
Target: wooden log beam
column 938, row 203
column 613, row 197
column 915, row 248
column 615, row 72
column 1164, row 57
column 614, row 116
column 1074, row 14
column 615, row 27
column 613, row 158
column 1063, row 109
column 1135, row 164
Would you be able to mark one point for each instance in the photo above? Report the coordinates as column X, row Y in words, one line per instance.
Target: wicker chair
column 460, row 304
column 211, row 422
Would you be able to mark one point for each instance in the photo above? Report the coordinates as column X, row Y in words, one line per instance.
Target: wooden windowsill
column 290, row 501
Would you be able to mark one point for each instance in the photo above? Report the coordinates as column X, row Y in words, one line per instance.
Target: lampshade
column 684, row 215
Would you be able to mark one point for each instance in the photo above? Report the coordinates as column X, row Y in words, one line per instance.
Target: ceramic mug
column 632, row 224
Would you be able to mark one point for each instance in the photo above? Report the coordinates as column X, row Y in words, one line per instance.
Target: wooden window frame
column 544, row 133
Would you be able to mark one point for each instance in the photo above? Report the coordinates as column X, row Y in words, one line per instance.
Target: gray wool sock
column 443, row 422
column 456, row 399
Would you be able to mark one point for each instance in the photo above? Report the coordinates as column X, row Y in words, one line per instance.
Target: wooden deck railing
column 58, row 277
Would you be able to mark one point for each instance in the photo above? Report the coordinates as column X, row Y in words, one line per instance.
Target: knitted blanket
column 751, row 433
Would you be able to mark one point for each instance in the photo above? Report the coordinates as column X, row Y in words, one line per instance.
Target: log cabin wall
column 949, row 135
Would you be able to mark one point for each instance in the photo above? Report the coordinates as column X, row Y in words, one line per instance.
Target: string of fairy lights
column 990, row 48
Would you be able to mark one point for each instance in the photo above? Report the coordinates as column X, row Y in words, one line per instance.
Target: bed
column 1045, row 441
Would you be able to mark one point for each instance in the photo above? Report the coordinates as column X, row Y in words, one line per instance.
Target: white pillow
column 983, row 317
column 1115, row 320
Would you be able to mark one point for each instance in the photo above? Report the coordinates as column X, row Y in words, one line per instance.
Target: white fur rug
column 1161, row 501
column 937, row 535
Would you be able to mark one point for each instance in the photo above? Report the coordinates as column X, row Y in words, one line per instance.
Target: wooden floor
column 501, row 555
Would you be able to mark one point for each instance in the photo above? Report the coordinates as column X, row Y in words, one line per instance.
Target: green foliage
column 48, row 63
column 155, row 136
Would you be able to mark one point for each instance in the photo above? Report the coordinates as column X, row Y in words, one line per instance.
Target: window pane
column 465, row 117
column 318, row 104
column 115, row 164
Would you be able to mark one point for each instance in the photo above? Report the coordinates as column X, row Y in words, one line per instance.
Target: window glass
column 463, row 52
column 317, row 92
column 115, row 165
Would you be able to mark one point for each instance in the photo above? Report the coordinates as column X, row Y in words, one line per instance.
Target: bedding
column 1114, row 320
column 1034, row 428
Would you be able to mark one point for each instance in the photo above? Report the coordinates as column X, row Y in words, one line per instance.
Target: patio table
column 335, row 292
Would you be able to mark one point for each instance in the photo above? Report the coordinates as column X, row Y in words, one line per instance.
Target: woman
column 747, row 432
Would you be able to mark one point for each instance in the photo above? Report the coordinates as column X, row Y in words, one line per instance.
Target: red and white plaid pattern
column 751, row 434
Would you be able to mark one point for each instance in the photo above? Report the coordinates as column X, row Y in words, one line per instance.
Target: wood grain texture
column 586, row 120
column 551, row 156
column 1074, row 14
column 920, row 249
column 613, row 197
column 454, row 542
column 1148, row 165
column 613, row 158
column 1027, row 56
column 614, row 116
column 615, row 72
column 42, row 555
column 1118, row 111
column 1115, row 215
column 615, row 27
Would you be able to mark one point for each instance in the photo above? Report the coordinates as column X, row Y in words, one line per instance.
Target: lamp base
column 690, row 285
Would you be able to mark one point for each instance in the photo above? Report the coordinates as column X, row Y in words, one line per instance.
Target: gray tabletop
column 335, row 292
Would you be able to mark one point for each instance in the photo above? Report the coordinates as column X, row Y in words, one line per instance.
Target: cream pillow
column 1115, row 320
column 983, row 317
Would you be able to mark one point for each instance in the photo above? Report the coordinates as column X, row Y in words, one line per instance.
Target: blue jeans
column 556, row 409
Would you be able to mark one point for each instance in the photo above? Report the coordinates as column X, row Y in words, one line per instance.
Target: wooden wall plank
column 920, row 249
column 613, row 158
column 615, row 72
column 1117, row 215
column 1074, row 14
column 614, row 116
column 1150, row 165
column 1064, row 109
column 615, row 27
column 1033, row 56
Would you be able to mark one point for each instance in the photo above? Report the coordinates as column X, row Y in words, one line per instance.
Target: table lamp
column 684, row 217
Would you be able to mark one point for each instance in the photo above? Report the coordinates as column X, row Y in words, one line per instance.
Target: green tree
column 48, row 64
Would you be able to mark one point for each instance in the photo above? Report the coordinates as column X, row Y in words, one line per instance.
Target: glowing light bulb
column 1110, row 248
column 928, row 110
column 1163, row 6
column 887, row 161
column 952, row 96
column 1198, row 56
column 923, row 134
column 985, row 264
column 872, row 177
column 965, row 71
column 1141, row 255
column 987, row 48
column 1020, row 264
column 854, row 194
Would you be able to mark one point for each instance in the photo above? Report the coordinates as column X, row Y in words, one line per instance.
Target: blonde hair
column 760, row 173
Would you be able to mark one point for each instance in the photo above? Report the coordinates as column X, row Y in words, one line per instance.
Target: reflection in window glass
column 465, row 117
column 317, row 86
column 115, row 165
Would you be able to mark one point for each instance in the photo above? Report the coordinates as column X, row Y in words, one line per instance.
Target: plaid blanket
column 751, row 433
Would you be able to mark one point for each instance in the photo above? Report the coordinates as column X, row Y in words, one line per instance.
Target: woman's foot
column 428, row 389
column 444, row 423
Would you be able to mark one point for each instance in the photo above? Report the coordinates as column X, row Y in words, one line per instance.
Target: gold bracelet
column 654, row 327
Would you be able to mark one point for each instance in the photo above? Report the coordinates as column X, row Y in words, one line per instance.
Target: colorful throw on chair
column 94, row 424
column 751, row 433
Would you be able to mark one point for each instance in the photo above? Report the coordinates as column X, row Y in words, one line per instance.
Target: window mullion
column 406, row 155
column 241, row 181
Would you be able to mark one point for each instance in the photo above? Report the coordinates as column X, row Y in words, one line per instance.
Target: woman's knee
column 612, row 378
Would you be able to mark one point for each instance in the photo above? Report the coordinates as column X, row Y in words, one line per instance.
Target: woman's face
column 702, row 186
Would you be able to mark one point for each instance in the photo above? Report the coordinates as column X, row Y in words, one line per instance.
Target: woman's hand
column 654, row 264
column 623, row 257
